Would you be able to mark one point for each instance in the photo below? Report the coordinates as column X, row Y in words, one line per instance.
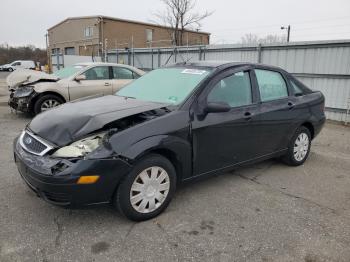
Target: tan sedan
column 36, row 92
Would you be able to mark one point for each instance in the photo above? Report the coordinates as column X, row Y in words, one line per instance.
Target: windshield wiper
column 127, row 97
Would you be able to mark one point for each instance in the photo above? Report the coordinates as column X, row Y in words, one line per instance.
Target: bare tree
column 250, row 39
column 179, row 17
column 9, row 54
column 269, row 39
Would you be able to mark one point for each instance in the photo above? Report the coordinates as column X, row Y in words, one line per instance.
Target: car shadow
column 184, row 190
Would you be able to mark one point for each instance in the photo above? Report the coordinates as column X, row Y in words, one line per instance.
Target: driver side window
column 97, row 73
column 234, row 90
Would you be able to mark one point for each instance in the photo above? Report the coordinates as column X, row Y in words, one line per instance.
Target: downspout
column 101, row 36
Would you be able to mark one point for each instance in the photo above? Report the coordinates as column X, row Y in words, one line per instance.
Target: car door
column 97, row 81
column 224, row 139
column 121, row 77
column 277, row 111
column 16, row 65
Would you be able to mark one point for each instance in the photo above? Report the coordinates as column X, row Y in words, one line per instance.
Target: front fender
column 175, row 148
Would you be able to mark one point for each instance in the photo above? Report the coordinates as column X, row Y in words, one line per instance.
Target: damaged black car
column 172, row 125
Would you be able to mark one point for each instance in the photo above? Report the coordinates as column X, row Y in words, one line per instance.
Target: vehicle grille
column 58, row 198
column 33, row 145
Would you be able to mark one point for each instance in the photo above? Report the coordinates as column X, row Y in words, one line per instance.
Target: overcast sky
column 25, row 22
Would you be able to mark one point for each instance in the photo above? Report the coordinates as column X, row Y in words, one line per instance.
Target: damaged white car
column 35, row 92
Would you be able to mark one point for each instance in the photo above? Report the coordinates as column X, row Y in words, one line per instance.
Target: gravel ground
column 266, row 212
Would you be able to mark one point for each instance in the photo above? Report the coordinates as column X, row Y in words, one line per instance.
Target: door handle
column 247, row 116
column 107, row 84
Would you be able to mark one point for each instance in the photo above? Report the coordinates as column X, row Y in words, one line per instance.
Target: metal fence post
column 63, row 60
column 259, row 48
column 152, row 58
column 58, row 61
column 159, row 58
column 129, row 58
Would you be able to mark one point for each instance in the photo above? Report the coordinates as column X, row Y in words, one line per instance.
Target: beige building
column 94, row 34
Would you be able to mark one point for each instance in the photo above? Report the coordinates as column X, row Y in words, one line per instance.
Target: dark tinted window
column 123, row 73
column 296, row 88
column 271, row 85
column 234, row 90
column 97, row 73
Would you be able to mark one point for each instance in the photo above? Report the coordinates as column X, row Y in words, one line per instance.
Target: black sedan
column 172, row 125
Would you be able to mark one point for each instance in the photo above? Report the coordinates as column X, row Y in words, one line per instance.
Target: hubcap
column 149, row 190
column 301, row 147
column 48, row 104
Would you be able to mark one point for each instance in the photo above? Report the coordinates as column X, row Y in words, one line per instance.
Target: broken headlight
column 80, row 148
column 23, row 91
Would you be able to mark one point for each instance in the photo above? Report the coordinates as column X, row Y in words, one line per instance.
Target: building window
column 88, row 31
column 55, row 51
column 149, row 35
column 69, row 51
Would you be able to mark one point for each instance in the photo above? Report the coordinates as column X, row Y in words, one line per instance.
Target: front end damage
column 54, row 172
column 21, row 84
column 21, row 98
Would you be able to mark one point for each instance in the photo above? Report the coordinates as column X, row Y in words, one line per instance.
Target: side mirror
column 80, row 78
column 217, row 107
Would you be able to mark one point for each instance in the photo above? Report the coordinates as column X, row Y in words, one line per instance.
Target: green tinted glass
column 271, row 85
column 68, row 71
column 167, row 85
column 234, row 90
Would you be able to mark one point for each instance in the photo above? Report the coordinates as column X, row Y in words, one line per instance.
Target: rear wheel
column 47, row 102
column 299, row 147
column 147, row 190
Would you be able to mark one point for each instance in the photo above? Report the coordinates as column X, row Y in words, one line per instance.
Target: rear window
column 298, row 87
column 271, row 85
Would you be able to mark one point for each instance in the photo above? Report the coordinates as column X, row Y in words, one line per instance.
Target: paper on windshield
column 193, row 72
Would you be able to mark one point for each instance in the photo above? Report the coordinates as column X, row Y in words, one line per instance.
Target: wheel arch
column 172, row 157
column 175, row 149
column 310, row 127
column 39, row 95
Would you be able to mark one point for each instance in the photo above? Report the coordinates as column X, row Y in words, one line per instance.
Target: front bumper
column 62, row 189
column 21, row 104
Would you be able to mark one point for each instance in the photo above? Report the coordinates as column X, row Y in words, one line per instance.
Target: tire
column 47, row 100
column 10, row 69
column 297, row 155
column 149, row 202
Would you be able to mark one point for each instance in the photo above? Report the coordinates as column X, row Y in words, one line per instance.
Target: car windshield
column 68, row 71
column 166, row 85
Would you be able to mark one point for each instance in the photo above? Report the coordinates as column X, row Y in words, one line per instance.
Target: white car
column 34, row 92
column 23, row 64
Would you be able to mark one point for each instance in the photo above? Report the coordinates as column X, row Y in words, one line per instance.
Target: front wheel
column 10, row 69
column 47, row 102
column 299, row 147
column 147, row 190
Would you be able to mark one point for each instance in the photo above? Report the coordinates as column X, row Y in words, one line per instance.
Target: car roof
column 90, row 64
column 102, row 64
column 216, row 64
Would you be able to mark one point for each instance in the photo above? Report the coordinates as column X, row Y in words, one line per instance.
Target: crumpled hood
column 71, row 121
column 26, row 76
